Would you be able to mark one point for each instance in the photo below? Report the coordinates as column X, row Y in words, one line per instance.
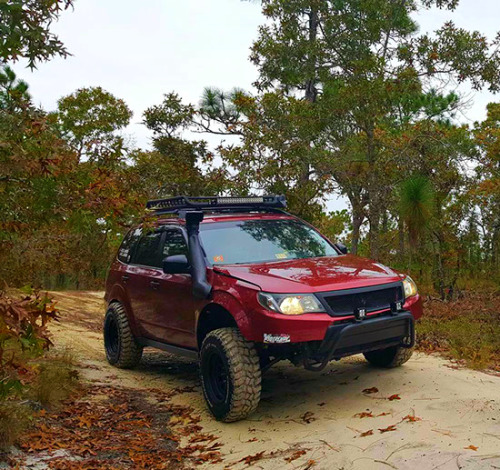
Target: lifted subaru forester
column 240, row 284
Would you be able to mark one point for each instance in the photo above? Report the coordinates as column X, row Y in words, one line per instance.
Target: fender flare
column 233, row 306
column 118, row 294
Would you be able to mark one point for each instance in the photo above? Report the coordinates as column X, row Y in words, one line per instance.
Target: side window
column 127, row 245
column 147, row 250
column 174, row 244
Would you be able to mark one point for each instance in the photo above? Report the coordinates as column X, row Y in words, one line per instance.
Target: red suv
column 240, row 284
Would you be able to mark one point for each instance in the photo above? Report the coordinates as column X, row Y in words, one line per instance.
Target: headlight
column 290, row 304
column 410, row 287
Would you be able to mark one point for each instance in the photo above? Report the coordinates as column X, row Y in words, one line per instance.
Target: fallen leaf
column 471, row 447
column 411, row 418
column 384, row 414
column 297, row 454
column 394, row 397
column 392, row 427
column 364, row 414
column 367, row 433
column 183, row 420
column 250, row 459
column 254, row 439
column 310, row 464
column 370, row 390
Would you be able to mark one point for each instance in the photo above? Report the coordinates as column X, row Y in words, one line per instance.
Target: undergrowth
column 467, row 329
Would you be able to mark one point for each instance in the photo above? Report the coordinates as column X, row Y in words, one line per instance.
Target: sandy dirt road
column 445, row 418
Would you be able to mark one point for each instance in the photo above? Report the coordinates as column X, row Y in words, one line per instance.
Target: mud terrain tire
column 122, row 350
column 230, row 374
column 389, row 357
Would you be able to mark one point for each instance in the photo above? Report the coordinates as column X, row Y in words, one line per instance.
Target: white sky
column 140, row 50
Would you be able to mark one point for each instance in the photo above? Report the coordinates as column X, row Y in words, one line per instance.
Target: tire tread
column 130, row 351
column 245, row 372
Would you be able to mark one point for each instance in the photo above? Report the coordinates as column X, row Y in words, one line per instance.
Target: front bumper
column 367, row 335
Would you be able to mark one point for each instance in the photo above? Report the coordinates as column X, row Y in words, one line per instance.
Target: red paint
column 169, row 313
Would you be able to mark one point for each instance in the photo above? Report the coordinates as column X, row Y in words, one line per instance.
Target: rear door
column 142, row 279
column 174, row 316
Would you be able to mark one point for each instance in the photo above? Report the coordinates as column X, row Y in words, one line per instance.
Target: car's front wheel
column 122, row 350
column 230, row 374
column 389, row 357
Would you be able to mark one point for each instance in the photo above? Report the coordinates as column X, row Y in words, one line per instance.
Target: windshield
column 254, row 241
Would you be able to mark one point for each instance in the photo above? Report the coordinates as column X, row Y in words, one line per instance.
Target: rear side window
column 174, row 244
column 147, row 251
column 125, row 251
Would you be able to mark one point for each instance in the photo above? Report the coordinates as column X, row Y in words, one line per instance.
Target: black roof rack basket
column 216, row 203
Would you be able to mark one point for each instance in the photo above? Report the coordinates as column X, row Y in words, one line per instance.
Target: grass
column 55, row 381
column 15, row 418
column 52, row 380
column 467, row 329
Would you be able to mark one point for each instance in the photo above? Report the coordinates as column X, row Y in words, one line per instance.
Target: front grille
column 372, row 298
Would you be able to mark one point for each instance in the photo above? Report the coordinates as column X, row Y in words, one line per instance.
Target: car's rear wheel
column 122, row 350
column 230, row 374
column 390, row 357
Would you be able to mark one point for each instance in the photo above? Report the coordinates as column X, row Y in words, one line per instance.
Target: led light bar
column 176, row 204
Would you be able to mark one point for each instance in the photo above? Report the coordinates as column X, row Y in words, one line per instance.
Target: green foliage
column 90, row 118
column 367, row 75
column 12, row 90
column 169, row 117
column 416, row 204
column 220, row 106
column 24, row 29
column 9, row 387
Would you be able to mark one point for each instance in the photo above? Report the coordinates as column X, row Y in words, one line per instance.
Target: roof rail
column 175, row 205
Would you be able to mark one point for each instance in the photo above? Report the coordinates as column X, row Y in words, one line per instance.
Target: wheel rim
column 216, row 378
column 111, row 336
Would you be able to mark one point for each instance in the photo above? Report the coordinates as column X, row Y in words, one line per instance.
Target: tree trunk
column 374, row 227
column 310, row 88
column 311, row 92
column 357, row 220
column 373, row 189
column 401, row 237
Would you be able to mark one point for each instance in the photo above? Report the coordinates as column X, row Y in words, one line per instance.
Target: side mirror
column 176, row 264
column 342, row 248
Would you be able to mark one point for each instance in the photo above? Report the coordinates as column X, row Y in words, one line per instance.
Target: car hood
column 312, row 274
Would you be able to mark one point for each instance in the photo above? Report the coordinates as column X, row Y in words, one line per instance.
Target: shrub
column 14, row 419
column 55, row 381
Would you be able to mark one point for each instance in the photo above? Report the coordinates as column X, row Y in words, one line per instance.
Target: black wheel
column 121, row 347
column 230, row 374
column 390, row 357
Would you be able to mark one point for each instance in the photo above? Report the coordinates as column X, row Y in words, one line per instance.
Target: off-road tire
column 122, row 350
column 390, row 357
column 238, row 361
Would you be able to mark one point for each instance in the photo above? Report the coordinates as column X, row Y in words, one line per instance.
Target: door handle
column 125, row 278
column 155, row 284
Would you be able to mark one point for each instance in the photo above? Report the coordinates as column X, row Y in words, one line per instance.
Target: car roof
column 220, row 217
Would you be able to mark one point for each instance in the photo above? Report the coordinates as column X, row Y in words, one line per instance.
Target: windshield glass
column 254, row 241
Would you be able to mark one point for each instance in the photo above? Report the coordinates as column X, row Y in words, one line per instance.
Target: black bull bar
column 370, row 334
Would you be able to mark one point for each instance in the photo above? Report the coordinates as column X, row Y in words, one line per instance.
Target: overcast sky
column 140, row 50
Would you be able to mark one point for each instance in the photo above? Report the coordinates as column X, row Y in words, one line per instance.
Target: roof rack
column 181, row 204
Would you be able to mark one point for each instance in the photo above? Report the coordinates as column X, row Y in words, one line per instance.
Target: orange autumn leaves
column 411, row 418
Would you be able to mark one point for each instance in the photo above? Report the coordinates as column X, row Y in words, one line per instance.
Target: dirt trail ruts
column 442, row 417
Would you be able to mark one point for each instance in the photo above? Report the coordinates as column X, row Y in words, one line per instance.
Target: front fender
column 232, row 302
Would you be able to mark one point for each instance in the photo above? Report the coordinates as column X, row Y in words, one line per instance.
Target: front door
column 174, row 309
